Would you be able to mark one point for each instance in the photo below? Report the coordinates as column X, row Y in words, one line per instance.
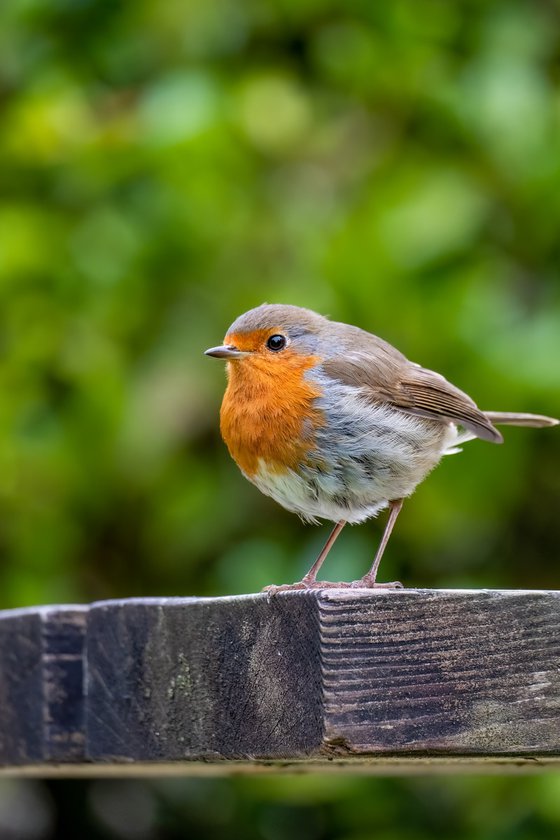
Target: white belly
column 365, row 456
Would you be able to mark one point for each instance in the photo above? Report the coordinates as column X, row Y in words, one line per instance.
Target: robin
column 334, row 423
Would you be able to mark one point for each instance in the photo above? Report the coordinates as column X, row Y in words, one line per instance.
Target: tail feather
column 513, row 418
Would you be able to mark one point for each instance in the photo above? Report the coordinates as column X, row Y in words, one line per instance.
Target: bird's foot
column 362, row 583
column 273, row 589
column 367, row 583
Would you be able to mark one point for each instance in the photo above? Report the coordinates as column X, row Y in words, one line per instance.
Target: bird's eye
column 276, row 342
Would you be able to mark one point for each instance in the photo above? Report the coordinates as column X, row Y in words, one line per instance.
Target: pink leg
column 310, row 580
column 369, row 579
column 311, row 575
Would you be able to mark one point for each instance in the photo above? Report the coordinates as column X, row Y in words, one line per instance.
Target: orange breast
column 268, row 411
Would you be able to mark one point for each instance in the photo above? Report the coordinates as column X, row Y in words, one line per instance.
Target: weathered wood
column 442, row 672
column 41, row 685
column 203, row 678
column 375, row 680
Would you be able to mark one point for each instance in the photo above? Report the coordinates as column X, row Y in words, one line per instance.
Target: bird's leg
column 310, row 580
column 311, row 575
column 369, row 579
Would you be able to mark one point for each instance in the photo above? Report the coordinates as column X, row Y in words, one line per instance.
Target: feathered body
column 338, row 423
column 345, row 460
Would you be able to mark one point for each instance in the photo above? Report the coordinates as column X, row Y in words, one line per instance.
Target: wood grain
column 441, row 672
column 330, row 678
column 41, row 685
column 203, row 678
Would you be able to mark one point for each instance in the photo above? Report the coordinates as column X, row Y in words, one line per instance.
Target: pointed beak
column 226, row 351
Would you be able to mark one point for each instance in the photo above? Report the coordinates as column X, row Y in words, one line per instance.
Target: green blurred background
column 165, row 166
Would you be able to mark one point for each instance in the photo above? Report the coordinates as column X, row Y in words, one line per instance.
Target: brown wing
column 390, row 378
column 429, row 394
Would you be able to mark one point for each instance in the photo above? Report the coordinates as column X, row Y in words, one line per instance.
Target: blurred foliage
column 165, row 166
column 308, row 807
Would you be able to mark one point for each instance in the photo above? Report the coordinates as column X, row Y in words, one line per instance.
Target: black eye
column 276, row 342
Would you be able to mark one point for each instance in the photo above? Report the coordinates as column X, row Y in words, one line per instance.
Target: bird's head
column 270, row 335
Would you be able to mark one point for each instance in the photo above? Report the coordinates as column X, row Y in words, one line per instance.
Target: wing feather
column 390, row 378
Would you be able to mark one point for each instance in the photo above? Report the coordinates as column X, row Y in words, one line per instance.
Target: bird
column 334, row 423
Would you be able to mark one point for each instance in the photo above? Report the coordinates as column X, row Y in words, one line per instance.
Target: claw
column 273, row 589
column 367, row 583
